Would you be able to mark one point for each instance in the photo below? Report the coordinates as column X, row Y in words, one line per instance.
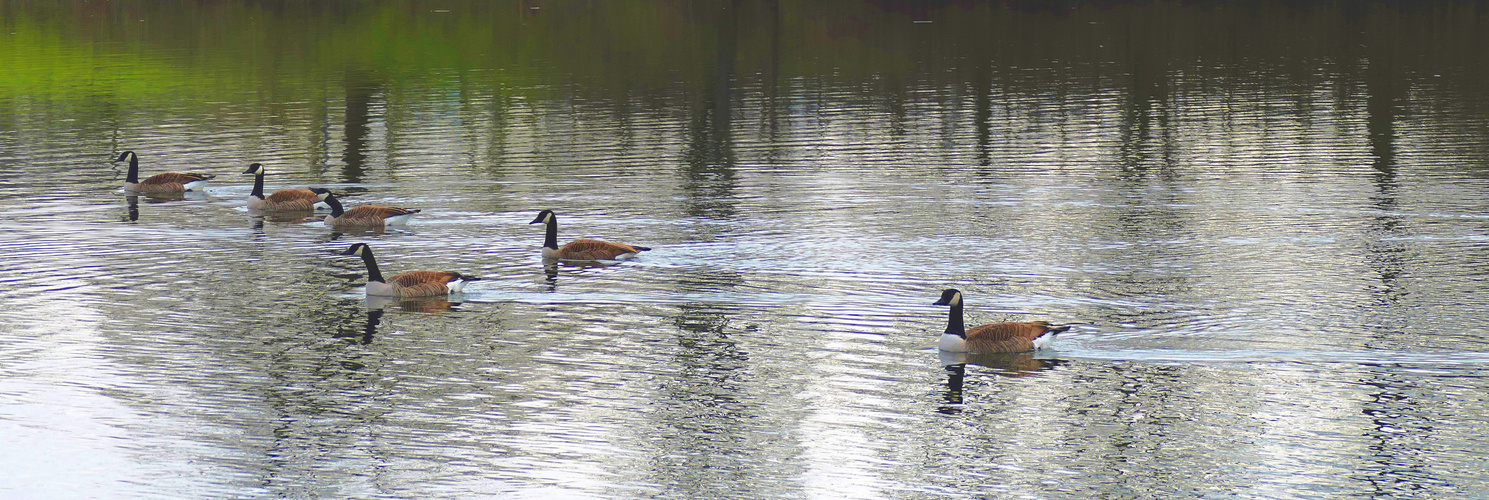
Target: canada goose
column 580, row 249
column 997, row 337
column 365, row 215
column 409, row 284
column 284, row 200
column 167, row 183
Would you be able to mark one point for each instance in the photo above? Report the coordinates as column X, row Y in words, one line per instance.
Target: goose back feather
column 580, row 249
column 593, row 250
column 1008, row 337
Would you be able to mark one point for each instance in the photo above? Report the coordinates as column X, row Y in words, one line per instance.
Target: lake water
column 1271, row 221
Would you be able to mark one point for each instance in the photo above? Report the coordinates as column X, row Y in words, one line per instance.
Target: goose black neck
column 258, row 186
column 134, row 169
column 954, row 323
column 372, row 273
column 550, row 240
column 335, row 204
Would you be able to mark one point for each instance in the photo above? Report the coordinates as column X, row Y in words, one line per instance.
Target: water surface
column 1270, row 221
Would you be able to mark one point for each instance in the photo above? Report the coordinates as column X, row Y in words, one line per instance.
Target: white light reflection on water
column 66, row 407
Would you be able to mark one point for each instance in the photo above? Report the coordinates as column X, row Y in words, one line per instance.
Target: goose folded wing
column 592, row 249
column 416, row 278
column 289, row 195
column 998, row 332
column 176, row 178
column 378, row 211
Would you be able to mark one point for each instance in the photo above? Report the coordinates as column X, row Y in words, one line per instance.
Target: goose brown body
column 409, row 284
column 287, row 200
column 370, row 216
column 592, row 250
column 1007, row 337
column 169, row 182
column 580, row 249
column 417, row 284
column 159, row 184
column 992, row 338
column 284, row 200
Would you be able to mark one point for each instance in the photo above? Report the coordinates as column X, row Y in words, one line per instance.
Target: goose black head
column 357, row 249
column 322, row 193
column 125, row 155
column 256, row 168
column 543, row 217
column 950, row 297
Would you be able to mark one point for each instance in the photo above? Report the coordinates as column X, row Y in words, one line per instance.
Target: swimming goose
column 365, row 215
column 284, row 200
column 997, row 337
column 166, row 183
column 409, row 284
column 580, row 249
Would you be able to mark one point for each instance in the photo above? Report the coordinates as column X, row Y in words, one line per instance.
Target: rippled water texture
column 1270, row 222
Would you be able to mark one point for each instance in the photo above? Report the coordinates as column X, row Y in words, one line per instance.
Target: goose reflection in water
column 374, row 318
column 168, row 197
column 411, row 304
column 378, row 306
column 261, row 218
column 132, row 214
column 1008, row 364
column 580, row 264
column 286, row 217
column 132, row 203
column 337, row 233
column 550, row 268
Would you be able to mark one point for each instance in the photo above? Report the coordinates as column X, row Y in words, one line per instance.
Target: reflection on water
column 1014, row 364
column 374, row 318
column 1270, row 216
column 414, row 304
column 133, row 212
column 1010, row 364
